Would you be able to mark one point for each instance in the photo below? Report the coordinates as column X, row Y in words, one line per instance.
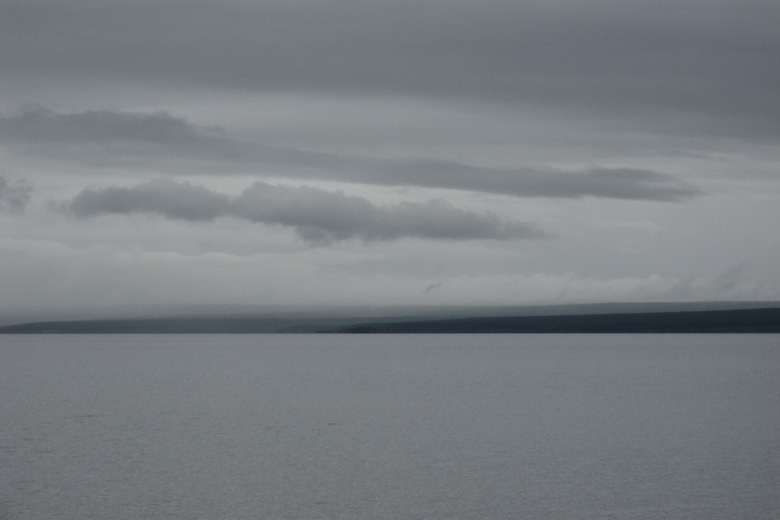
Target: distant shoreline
column 732, row 321
column 692, row 322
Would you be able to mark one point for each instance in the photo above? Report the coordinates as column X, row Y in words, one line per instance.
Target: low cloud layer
column 146, row 135
column 608, row 183
column 14, row 194
column 171, row 199
column 316, row 215
column 37, row 124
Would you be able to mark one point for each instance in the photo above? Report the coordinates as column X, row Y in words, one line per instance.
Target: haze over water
column 397, row 427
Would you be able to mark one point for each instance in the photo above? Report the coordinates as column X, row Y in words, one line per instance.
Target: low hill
column 722, row 321
column 601, row 318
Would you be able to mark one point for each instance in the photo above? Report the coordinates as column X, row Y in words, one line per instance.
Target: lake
column 389, row 427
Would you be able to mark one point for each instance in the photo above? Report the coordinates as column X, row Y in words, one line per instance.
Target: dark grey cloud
column 316, row 215
column 143, row 137
column 612, row 183
column 37, row 124
column 175, row 200
column 117, row 138
column 14, row 194
column 113, row 133
column 712, row 61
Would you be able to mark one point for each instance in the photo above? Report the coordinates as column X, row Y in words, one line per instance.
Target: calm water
column 390, row 427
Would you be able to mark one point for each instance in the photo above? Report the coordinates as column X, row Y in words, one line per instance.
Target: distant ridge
column 175, row 325
column 722, row 321
column 745, row 320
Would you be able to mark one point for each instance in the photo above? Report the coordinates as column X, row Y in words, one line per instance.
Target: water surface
column 397, row 427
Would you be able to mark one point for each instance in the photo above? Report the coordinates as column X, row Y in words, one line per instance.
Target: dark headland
column 755, row 317
column 698, row 322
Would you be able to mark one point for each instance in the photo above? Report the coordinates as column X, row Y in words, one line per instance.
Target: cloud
column 737, row 282
column 117, row 138
column 432, row 287
column 174, row 200
column 316, row 215
column 145, row 137
column 37, row 124
column 708, row 58
column 611, row 183
column 14, row 195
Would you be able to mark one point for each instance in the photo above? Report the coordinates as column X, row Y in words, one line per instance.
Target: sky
column 375, row 153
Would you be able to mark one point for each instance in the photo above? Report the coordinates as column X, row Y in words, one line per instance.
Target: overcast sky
column 370, row 152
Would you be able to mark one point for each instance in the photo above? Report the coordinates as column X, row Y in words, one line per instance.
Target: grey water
column 396, row 427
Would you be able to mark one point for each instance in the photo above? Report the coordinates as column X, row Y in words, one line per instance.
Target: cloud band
column 316, row 215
